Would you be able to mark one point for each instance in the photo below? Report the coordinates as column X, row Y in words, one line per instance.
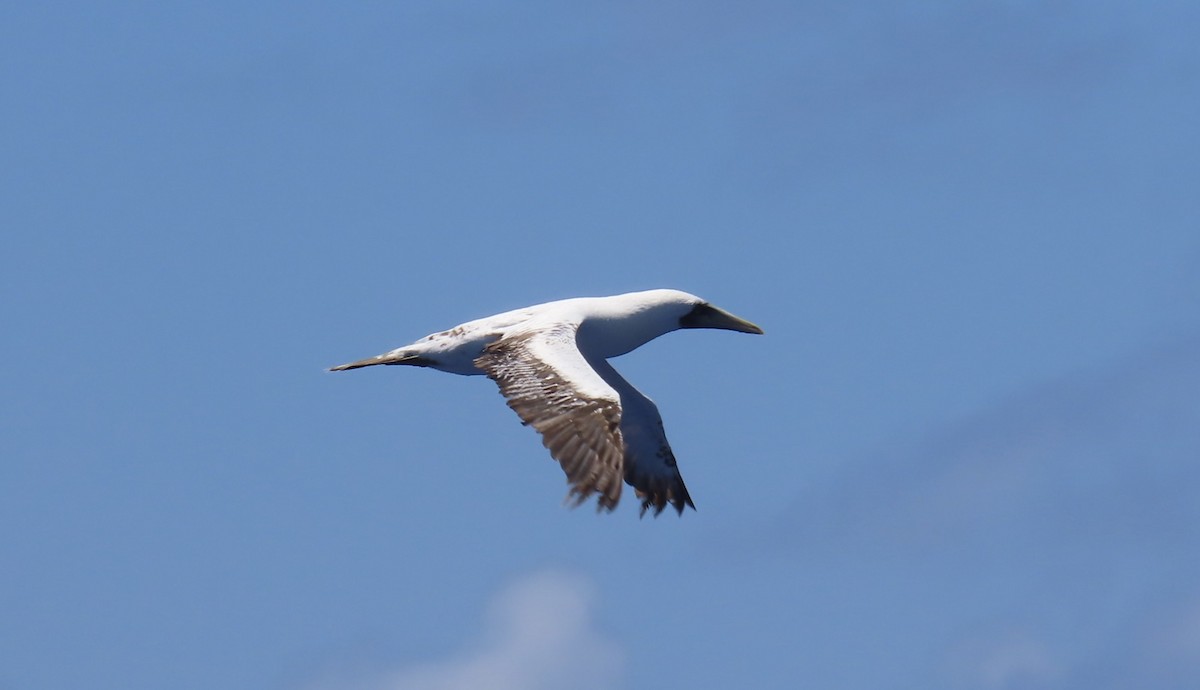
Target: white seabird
column 550, row 361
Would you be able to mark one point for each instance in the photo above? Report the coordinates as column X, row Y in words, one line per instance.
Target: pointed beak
column 708, row 316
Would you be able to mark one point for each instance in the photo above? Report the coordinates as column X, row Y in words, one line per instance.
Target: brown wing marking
column 553, row 389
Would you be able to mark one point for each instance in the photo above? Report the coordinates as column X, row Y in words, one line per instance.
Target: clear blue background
column 963, row 456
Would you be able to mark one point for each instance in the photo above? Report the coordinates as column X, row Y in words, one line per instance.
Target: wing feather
column 600, row 429
column 650, row 466
column 552, row 387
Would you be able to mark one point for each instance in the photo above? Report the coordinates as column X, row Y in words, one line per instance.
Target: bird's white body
column 550, row 361
column 608, row 327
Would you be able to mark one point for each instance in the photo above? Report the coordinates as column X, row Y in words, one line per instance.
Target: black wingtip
column 660, row 503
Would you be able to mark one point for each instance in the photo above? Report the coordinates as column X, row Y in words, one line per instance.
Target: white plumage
column 550, row 361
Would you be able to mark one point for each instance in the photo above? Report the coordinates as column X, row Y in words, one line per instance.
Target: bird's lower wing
column 554, row 389
column 649, row 463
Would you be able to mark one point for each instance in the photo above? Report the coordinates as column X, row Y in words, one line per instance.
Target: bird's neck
column 606, row 334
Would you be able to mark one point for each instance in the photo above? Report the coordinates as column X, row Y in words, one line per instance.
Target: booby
column 551, row 363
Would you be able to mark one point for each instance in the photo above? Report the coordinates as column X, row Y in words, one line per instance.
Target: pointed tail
column 394, row 357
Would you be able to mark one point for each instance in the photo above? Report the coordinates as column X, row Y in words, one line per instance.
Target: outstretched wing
column 649, row 463
column 554, row 389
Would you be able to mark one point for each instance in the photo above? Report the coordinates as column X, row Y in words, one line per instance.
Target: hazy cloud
column 1007, row 660
column 540, row 634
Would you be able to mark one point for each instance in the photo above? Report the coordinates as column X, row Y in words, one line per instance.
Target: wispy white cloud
column 1005, row 660
column 540, row 634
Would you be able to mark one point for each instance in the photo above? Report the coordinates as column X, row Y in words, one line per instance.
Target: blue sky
column 963, row 455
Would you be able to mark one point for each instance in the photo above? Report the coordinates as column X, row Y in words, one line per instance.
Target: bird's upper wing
column 649, row 463
column 554, row 389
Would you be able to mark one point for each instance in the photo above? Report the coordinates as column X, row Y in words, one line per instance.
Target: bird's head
column 701, row 314
column 621, row 323
column 705, row 315
column 691, row 311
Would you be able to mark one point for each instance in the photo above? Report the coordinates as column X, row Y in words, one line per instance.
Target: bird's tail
column 394, row 357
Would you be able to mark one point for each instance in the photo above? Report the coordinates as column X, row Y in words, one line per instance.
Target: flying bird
column 551, row 363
